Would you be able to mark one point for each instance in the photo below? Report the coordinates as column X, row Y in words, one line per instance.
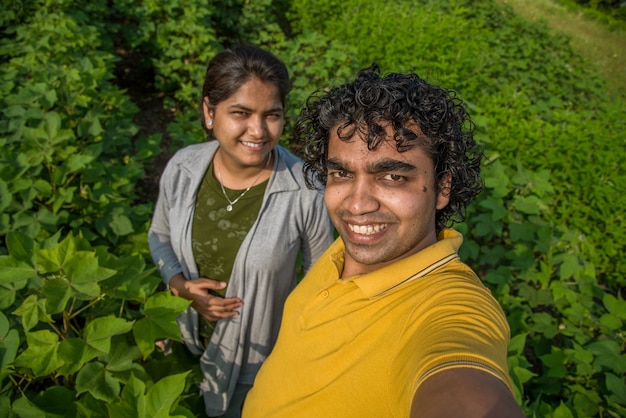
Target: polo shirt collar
column 417, row 265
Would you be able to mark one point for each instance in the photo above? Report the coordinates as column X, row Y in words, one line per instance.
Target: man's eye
column 394, row 177
column 338, row 174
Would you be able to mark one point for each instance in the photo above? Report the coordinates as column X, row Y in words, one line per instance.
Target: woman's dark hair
column 233, row 67
column 404, row 101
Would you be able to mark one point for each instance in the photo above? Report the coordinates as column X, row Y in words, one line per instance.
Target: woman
column 233, row 214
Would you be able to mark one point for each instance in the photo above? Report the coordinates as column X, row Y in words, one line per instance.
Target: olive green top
column 217, row 233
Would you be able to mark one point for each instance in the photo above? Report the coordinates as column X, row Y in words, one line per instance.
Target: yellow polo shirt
column 360, row 347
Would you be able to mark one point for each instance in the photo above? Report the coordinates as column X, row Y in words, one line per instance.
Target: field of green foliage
column 94, row 95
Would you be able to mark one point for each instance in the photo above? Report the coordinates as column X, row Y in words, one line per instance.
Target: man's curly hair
column 372, row 101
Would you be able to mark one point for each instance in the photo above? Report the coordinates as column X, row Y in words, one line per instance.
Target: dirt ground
column 151, row 118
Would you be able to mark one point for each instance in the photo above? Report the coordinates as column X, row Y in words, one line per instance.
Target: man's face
column 382, row 202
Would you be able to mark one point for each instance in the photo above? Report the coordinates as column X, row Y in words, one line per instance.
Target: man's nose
column 361, row 197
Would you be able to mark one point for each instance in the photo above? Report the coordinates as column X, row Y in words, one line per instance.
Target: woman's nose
column 257, row 126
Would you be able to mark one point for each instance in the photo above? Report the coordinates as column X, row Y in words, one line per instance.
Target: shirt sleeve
column 460, row 325
column 159, row 241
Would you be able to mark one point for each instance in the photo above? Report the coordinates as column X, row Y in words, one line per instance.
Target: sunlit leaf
column 159, row 322
column 98, row 332
column 12, row 270
column 162, row 395
column 41, row 353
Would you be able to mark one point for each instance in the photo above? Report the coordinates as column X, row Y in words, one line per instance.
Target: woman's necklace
column 232, row 202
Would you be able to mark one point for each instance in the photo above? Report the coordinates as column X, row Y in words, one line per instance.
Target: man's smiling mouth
column 367, row 229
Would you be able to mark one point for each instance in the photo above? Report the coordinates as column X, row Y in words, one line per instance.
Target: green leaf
column 96, row 380
column 41, row 354
column 497, row 209
column 611, row 322
column 77, row 162
column 57, row 401
column 523, row 375
column 132, row 282
column 32, row 310
column 614, row 305
column 23, row 407
column 570, row 267
column 616, row 387
column 98, row 332
column 555, row 362
column 163, row 394
column 88, row 406
column 9, row 344
column 21, row 246
column 132, row 403
column 529, row 205
column 74, row 353
column 8, row 291
column 5, row 196
column 121, row 225
column 95, row 128
column 83, row 273
column 121, row 356
column 58, row 292
column 52, row 260
column 545, row 324
column 608, row 356
column 12, row 270
column 562, row 411
column 517, row 344
column 159, row 322
column 52, row 122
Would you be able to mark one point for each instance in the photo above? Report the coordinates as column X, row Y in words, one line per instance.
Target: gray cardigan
column 292, row 220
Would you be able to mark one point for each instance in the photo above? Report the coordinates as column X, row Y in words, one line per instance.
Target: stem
column 59, row 333
column 89, row 305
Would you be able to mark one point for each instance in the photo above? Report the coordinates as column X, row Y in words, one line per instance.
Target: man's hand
column 209, row 306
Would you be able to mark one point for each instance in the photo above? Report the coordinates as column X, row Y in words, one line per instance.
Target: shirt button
column 325, row 293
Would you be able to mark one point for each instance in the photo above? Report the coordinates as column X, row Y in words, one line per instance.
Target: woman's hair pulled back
column 233, row 67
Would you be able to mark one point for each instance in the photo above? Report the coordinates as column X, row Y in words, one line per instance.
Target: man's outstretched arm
column 464, row 393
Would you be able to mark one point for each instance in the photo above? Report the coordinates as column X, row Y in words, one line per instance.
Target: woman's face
column 248, row 124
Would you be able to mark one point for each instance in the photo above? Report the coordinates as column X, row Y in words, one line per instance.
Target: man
column 389, row 322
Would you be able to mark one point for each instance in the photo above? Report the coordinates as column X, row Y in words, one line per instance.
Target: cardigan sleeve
column 159, row 241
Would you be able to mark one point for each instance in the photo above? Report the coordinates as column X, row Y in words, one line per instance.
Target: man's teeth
column 367, row 229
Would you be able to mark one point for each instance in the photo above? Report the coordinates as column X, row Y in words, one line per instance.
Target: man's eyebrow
column 332, row 164
column 376, row 167
column 391, row 165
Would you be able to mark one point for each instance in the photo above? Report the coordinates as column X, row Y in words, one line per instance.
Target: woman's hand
column 207, row 305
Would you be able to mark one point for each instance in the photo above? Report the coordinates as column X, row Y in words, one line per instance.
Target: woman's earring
column 209, row 123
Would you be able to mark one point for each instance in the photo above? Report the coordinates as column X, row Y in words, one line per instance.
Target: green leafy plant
column 567, row 328
column 79, row 323
column 80, row 314
column 67, row 135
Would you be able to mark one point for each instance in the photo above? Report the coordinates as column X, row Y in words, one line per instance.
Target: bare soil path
column 593, row 39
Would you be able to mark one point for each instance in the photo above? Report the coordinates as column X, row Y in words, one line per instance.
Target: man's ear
column 208, row 112
column 443, row 191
